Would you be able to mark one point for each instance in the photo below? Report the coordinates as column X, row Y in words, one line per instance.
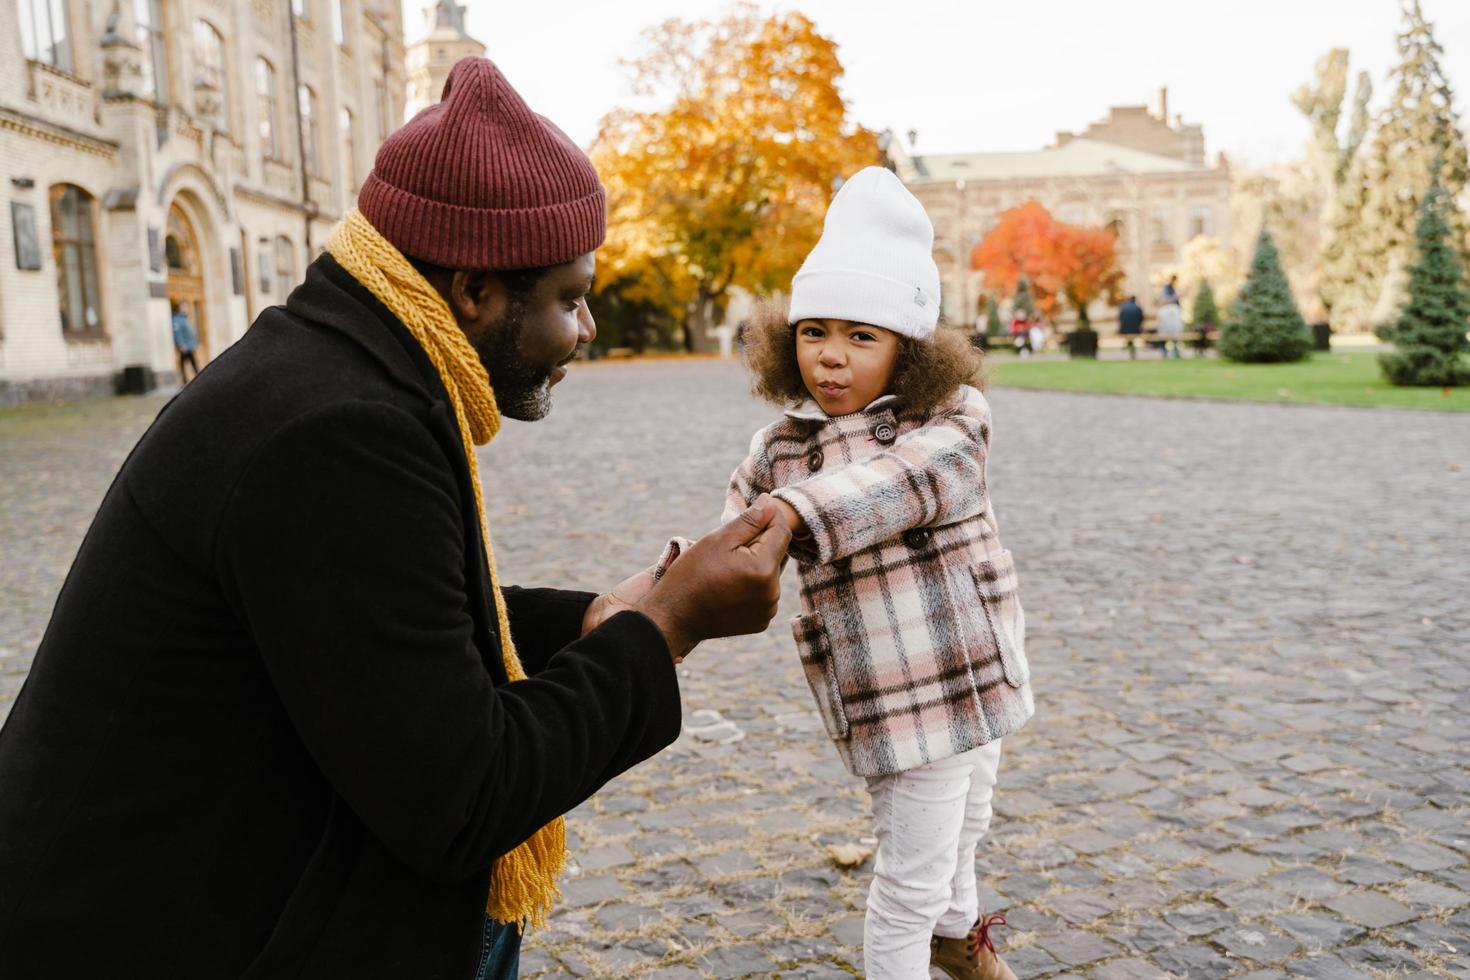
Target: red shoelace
column 980, row 934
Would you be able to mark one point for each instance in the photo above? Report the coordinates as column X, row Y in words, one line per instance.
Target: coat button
column 917, row 537
column 815, row 460
column 884, row 433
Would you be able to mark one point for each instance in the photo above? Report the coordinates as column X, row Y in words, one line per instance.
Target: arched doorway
column 186, row 275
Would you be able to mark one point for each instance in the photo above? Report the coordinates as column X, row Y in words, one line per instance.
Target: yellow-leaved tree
column 725, row 183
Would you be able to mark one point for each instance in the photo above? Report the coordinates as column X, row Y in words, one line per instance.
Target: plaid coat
column 911, row 634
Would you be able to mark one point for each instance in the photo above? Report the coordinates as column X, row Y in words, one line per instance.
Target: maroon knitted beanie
column 479, row 181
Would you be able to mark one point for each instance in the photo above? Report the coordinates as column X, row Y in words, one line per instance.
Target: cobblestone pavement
column 1250, row 640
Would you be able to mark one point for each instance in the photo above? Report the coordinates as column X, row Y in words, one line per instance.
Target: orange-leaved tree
column 1020, row 246
column 1072, row 263
column 726, row 184
column 1087, row 257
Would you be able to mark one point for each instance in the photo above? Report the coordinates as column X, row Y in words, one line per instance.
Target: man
column 273, row 728
column 186, row 341
column 1130, row 323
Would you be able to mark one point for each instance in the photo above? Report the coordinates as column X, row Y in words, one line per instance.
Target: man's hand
column 728, row 583
column 624, row 596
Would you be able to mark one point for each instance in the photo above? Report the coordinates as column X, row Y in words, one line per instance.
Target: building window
column 148, row 15
column 263, row 262
column 209, row 66
column 74, row 245
column 299, row 8
column 339, row 22
column 265, row 108
column 349, row 155
column 285, row 267
column 306, row 106
column 44, row 32
column 1201, row 221
column 1160, row 222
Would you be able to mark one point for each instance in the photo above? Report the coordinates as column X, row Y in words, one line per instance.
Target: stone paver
column 1248, row 634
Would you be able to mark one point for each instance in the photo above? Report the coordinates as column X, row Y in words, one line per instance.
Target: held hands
column 793, row 520
column 623, row 597
column 728, row 583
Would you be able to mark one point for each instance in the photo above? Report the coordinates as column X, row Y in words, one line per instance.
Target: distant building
column 158, row 152
column 1138, row 171
column 428, row 60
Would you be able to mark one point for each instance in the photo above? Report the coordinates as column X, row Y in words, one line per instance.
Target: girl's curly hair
column 925, row 374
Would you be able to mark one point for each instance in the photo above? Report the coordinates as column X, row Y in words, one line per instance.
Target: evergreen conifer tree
column 1023, row 301
column 1430, row 330
column 1205, row 314
column 993, row 326
column 1264, row 322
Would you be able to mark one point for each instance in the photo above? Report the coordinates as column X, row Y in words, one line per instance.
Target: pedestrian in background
column 1130, row 323
column 186, row 341
column 1171, row 327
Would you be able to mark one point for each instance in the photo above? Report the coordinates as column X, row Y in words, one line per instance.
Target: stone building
column 430, row 58
column 1139, row 171
column 161, row 152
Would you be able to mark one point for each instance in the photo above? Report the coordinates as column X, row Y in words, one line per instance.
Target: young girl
column 911, row 634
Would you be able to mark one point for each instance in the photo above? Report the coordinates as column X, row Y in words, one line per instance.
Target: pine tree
column 1205, row 313
column 1023, row 301
column 1374, row 224
column 1430, row 330
column 993, row 326
column 1264, row 323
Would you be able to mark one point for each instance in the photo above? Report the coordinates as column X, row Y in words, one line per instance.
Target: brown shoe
column 974, row 957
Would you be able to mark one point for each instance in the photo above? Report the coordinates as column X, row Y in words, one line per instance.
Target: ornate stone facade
column 1137, row 170
column 429, row 60
column 173, row 152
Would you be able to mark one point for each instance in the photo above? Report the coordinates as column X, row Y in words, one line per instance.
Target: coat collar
column 809, row 411
column 329, row 296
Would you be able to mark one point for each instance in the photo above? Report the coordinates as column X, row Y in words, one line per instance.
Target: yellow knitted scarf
column 523, row 882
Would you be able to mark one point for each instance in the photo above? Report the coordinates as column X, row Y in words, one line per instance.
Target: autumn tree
column 1205, row 260
column 1021, row 246
column 1075, row 264
column 1373, row 237
column 1330, row 156
column 726, row 183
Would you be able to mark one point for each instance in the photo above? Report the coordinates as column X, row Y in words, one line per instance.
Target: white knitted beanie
column 874, row 262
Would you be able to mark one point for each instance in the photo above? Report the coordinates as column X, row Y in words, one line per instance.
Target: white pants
column 929, row 821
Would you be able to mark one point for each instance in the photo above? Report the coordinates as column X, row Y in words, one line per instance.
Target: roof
column 1078, row 158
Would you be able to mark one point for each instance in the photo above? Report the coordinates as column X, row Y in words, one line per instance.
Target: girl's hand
column 787, row 513
column 622, row 598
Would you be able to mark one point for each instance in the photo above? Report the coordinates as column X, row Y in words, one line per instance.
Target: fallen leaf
column 848, row 855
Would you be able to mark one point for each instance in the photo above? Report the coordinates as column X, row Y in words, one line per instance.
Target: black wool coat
column 268, row 732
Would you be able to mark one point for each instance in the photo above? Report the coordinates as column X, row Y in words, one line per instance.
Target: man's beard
column 522, row 389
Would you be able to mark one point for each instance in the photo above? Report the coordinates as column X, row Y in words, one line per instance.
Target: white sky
column 998, row 74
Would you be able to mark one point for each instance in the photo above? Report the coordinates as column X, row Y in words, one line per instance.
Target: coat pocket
column 1006, row 620
column 815, row 650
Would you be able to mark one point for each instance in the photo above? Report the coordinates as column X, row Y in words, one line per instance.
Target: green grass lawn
column 1323, row 379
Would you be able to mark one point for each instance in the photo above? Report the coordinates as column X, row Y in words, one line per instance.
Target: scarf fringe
column 523, row 882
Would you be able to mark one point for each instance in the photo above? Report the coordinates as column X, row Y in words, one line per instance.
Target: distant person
column 186, row 341
column 1037, row 335
column 1171, row 328
column 1130, row 323
column 1171, row 290
column 1021, row 332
